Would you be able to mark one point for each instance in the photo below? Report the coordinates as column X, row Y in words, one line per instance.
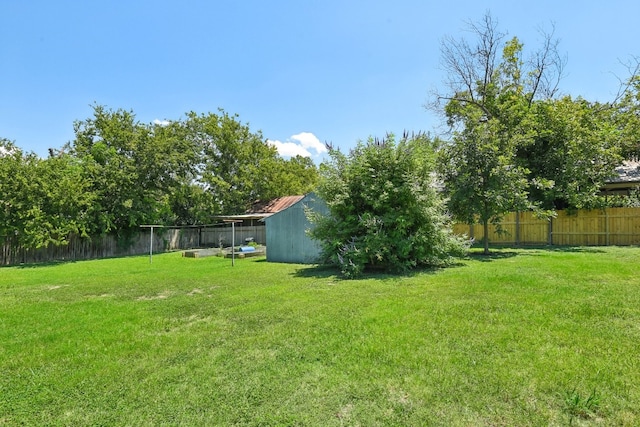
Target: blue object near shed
column 247, row 249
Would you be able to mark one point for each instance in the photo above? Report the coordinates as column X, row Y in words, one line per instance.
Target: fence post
column 151, row 246
column 550, row 233
column 606, row 226
column 517, row 228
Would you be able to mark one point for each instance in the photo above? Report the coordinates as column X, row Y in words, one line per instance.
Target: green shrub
column 384, row 210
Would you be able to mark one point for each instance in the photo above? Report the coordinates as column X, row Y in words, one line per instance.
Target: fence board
column 600, row 227
column 534, row 230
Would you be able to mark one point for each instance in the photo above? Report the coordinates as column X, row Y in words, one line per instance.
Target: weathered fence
column 216, row 236
column 164, row 239
column 81, row 248
column 611, row 226
column 599, row 227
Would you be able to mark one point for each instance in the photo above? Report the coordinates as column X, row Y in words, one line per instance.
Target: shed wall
column 287, row 240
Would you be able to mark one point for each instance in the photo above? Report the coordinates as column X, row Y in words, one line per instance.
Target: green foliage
column 515, row 146
column 129, row 169
column 488, row 106
column 232, row 159
column 559, row 152
column 633, row 200
column 480, row 174
column 238, row 167
column 384, row 210
column 575, row 148
column 118, row 173
column 297, row 175
column 44, row 201
column 626, row 115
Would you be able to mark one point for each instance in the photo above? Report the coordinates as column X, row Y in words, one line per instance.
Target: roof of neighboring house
column 627, row 176
column 628, row 171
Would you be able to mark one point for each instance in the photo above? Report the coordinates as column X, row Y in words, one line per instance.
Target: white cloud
column 309, row 140
column 161, row 122
column 289, row 149
column 303, row 144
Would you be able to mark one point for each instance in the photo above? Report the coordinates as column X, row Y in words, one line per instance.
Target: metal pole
column 233, row 244
column 151, row 247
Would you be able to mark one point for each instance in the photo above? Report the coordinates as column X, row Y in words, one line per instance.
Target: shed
column 287, row 239
column 250, row 225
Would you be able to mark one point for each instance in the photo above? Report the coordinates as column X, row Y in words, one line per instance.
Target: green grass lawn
column 524, row 337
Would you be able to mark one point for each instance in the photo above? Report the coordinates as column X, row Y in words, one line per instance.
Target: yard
column 523, row 337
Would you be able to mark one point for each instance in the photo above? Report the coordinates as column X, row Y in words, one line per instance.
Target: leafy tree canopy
column 515, row 143
column 238, row 167
column 574, row 149
column 118, row 173
column 385, row 212
column 43, row 201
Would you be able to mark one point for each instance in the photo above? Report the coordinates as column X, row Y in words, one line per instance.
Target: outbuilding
column 286, row 230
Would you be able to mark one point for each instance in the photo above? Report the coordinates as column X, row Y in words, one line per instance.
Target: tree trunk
column 485, row 225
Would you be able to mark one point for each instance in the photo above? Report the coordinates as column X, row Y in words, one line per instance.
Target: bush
column 384, row 210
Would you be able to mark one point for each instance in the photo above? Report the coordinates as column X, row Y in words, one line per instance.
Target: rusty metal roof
column 274, row 205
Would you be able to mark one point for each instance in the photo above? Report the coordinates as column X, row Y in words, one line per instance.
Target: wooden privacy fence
column 599, row 227
column 80, row 248
column 602, row 227
column 164, row 239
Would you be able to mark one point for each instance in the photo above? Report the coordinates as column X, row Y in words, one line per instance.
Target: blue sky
column 302, row 72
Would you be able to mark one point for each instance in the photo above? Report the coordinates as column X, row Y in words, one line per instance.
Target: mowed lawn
column 523, row 337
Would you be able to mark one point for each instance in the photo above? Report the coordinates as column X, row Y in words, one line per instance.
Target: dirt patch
column 162, row 295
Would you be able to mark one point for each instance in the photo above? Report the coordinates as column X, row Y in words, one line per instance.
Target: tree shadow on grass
column 502, row 252
column 585, row 249
column 318, row 271
column 328, row 271
column 492, row 255
column 41, row 264
column 53, row 263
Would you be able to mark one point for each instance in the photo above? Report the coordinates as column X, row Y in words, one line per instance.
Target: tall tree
column 481, row 177
column 174, row 163
column 239, row 167
column 492, row 75
column 574, row 148
column 566, row 148
column 489, row 95
column 15, row 179
column 294, row 176
column 131, row 167
column 627, row 113
column 384, row 209
column 119, row 173
column 44, row 201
